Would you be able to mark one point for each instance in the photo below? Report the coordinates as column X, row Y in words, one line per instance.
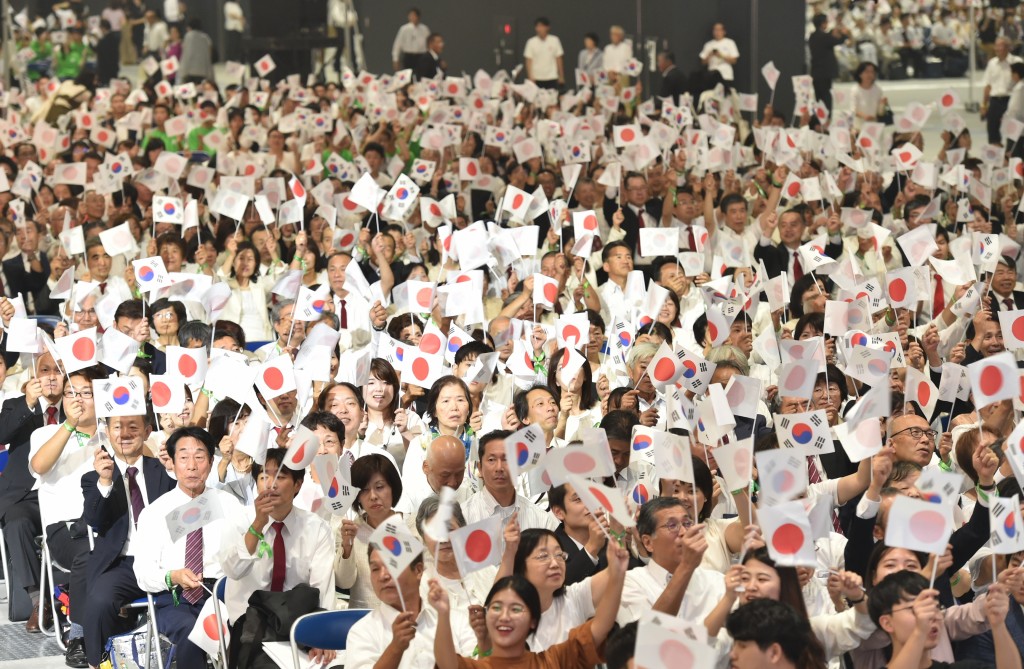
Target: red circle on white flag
column 273, row 378
column 478, row 545
column 160, row 393
column 420, row 369
column 788, row 539
column 430, row 343
column 664, row 370
column 187, row 366
column 991, row 380
column 83, row 349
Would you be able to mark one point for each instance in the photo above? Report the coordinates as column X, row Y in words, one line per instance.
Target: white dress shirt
column 726, row 49
column 140, row 479
column 644, row 585
column 60, row 489
column 156, row 554
column 543, row 55
column 309, row 558
column 997, row 76
column 568, row 610
column 483, row 505
column 615, row 58
column 369, row 637
column 410, row 39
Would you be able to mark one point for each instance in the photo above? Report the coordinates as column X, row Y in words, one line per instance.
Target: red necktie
column 103, row 287
column 51, row 415
column 343, row 315
column 1008, row 301
column 194, row 562
column 798, row 269
column 692, row 240
column 277, row 577
column 939, row 301
column 640, row 224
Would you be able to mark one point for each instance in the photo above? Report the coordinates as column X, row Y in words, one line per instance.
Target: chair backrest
column 327, row 630
column 221, row 587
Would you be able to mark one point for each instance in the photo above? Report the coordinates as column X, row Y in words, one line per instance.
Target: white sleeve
column 842, row 632
column 147, row 544
column 362, row 649
column 580, row 597
column 322, row 572
column 558, row 48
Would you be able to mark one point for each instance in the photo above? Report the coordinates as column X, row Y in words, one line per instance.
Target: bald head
column 445, row 463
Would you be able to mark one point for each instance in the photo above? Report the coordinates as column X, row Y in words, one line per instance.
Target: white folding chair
column 46, row 585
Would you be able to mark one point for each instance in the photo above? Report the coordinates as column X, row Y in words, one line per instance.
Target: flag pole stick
column 935, row 571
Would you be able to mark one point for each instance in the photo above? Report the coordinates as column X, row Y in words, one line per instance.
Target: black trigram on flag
column 995, row 539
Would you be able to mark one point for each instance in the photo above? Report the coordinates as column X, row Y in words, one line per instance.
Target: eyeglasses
column 906, row 608
column 916, row 432
column 513, row 609
column 84, row 394
column 546, row 557
column 674, row 526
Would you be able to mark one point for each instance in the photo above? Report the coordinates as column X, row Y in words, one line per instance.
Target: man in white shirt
column 720, row 54
column 617, row 52
column 234, row 27
column 180, row 572
column 543, row 54
column 499, row 496
column 673, row 582
column 401, row 636
column 410, row 42
column 281, row 320
column 302, row 545
column 154, row 36
column 998, row 82
column 115, row 494
column 442, row 466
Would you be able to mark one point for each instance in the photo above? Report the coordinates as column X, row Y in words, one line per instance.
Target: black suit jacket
column 673, row 84
column 110, row 515
column 629, row 223
column 579, row 566
column 17, row 423
column 427, row 66
column 28, row 283
column 776, row 257
column 997, row 302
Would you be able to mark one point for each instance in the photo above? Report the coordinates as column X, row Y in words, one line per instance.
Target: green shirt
column 170, row 143
column 195, row 140
column 70, row 60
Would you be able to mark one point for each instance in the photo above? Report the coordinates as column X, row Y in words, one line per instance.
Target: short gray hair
column 275, row 311
column 428, row 509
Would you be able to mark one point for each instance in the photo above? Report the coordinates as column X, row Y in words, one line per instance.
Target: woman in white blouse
column 578, row 400
column 346, row 403
column 380, row 489
column 388, row 426
column 867, row 95
column 250, row 292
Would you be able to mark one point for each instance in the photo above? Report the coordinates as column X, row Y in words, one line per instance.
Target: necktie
column 798, row 269
column 135, row 493
column 343, row 315
column 939, row 301
column 640, row 224
column 103, row 287
column 51, row 415
column 814, row 476
column 194, row 562
column 1008, row 301
column 277, row 578
column 692, row 240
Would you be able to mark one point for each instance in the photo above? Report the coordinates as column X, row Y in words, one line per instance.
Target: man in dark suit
column 27, row 273
column 639, row 211
column 1004, row 297
column 784, row 256
column 19, row 504
column 673, row 80
column 115, row 495
column 429, row 65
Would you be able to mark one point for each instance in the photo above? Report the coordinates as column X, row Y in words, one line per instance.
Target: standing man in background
column 410, row 42
column 824, row 66
column 234, row 28
column 720, row 53
column 617, row 52
column 543, row 54
column 998, row 81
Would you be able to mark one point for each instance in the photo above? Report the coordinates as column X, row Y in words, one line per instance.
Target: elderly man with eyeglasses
column 913, row 439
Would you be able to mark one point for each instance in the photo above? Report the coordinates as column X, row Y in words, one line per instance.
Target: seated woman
column 513, row 614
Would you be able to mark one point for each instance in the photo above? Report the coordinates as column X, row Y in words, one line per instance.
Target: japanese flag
column 431, row 212
column 119, row 396
column 918, row 525
column 516, row 202
column 994, row 378
column 949, row 100
column 77, row 351
column 302, row 448
column 420, row 368
column 573, row 330
column 545, row 291
column 215, row 299
column 792, row 187
column 206, row 633
column 433, row 340
column 920, row 389
column 62, row 290
column 169, row 66
column 1012, row 325
column 478, row 545
column 167, row 392
column 1004, row 520
column 276, row 377
column 265, row 65
column 103, row 137
column 666, row 367
column 736, row 463
column 626, row 135
column 597, row 497
column 420, row 296
column 396, row 544
column 901, row 287
column 170, row 164
column 73, row 174
column 663, row 646
column 787, row 533
column 770, row 74
column 860, row 439
column 168, row 210
column 188, row 365
column 525, row 449
column 469, row 169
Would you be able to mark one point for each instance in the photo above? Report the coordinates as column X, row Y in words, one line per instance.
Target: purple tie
column 135, row 493
column 194, row 562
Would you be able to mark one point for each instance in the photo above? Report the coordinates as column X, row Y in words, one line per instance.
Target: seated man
column 400, row 636
column 909, row 612
column 443, row 465
column 181, row 573
column 673, row 582
column 115, row 495
column 499, row 492
column 303, row 548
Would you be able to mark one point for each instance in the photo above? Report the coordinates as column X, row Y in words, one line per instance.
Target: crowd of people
column 539, row 374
